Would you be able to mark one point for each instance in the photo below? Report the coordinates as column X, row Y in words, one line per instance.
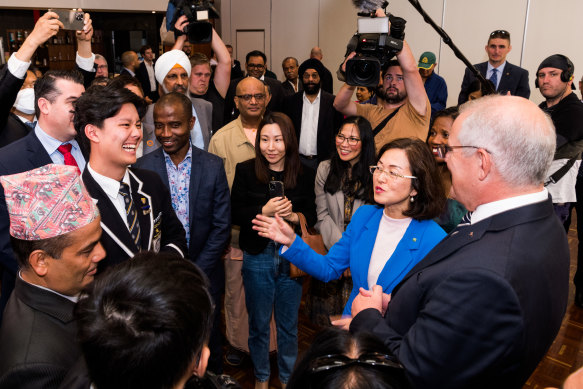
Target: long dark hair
column 292, row 165
column 430, row 199
column 360, row 178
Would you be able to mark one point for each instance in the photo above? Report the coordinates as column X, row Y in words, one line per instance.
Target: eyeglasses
column 336, row 361
column 388, row 173
column 258, row 97
column 499, row 33
column 102, row 67
column 255, row 66
column 352, row 141
column 441, row 150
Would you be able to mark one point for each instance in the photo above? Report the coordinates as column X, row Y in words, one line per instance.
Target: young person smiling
column 268, row 286
column 135, row 204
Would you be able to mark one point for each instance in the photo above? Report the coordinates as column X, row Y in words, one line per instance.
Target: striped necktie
column 131, row 214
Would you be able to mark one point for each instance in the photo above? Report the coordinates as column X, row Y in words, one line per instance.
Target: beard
column 399, row 97
column 311, row 89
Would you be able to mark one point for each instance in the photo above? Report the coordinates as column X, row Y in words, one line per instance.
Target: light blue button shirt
column 51, row 144
column 196, row 132
column 500, row 70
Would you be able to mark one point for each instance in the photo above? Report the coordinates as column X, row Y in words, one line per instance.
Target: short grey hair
column 520, row 137
column 99, row 56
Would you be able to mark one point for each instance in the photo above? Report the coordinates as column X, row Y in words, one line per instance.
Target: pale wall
column 291, row 27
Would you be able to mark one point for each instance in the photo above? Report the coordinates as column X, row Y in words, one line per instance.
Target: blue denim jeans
column 268, row 289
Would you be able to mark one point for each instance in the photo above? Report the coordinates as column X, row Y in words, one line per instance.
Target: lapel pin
column 143, row 200
column 414, row 239
column 472, row 234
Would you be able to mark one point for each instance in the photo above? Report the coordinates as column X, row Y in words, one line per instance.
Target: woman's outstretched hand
column 275, row 229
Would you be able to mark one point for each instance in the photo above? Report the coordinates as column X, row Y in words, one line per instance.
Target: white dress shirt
column 111, row 189
column 309, row 131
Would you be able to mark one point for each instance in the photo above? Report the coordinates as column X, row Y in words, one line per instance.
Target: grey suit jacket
column 204, row 112
column 330, row 208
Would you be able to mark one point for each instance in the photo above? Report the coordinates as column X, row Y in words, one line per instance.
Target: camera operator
column 405, row 110
column 203, row 83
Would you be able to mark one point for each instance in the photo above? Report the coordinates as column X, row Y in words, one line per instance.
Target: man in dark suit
column 135, row 205
column 145, row 74
column 20, row 120
column 505, row 76
column 172, row 73
column 313, row 115
column 57, row 257
column 200, row 196
column 51, row 141
column 483, row 307
column 255, row 65
column 15, row 77
column 130, row 62
column 292, row 83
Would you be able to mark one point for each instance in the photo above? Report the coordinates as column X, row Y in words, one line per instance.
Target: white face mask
column 25, row 101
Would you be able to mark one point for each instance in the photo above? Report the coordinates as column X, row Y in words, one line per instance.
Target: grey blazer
column 330, row 208
column 204, row 111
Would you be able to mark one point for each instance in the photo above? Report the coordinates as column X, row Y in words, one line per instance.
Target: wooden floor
column 564, row 357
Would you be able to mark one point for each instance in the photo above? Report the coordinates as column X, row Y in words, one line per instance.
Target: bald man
column 326, row 76
column 130, row 62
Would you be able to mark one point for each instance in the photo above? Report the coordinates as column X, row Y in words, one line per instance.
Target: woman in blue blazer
column 382, row 242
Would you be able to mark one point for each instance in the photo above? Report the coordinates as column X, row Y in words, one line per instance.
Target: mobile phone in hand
column 71, row 19
column 276, row 189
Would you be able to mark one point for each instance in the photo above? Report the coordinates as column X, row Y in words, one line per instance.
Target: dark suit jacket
column 275, row 104
column 248, row 196
column 13, row 130
column 483, row 307
column 159, row 226
column 328, row 121
column 209, row 209
column 289, row 90
column 144, row 79
column 9, row 87
column 25, row 154
column 514, row 79
column 37, row 339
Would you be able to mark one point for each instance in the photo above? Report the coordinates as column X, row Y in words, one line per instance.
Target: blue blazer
column 209, row 210
column 355, row 247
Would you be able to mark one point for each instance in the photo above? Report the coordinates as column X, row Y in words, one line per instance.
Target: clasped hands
column 365, row 299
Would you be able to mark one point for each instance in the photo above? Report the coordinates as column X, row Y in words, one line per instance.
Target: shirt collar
column 487, row 210
column 499, row 68
column 73, row 299
column 49, row 143
column 317, row 100
column 109, row 185
column 188, row 156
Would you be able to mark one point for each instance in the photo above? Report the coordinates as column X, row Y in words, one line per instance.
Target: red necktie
column 65, row 149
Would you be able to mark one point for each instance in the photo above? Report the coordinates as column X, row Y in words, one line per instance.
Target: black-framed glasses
column 248, row 97
column 441, row 150
column 500, row 33
column 336, row 361
column 352, row 141
column 390, row 174
column 255, row 66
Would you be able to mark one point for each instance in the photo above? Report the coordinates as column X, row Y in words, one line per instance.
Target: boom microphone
column 368, row 6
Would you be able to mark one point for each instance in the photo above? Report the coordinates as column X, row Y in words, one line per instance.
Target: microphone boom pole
column 447, row 40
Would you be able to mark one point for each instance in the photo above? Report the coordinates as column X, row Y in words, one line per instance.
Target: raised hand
column 275, row 229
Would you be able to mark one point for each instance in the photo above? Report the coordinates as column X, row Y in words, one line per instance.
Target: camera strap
column 382, row 124
column 556, row 176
